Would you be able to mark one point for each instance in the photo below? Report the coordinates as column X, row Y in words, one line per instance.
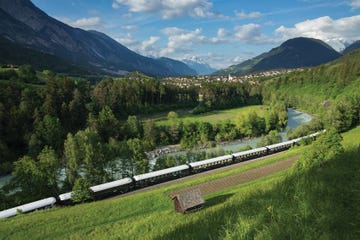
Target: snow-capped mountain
column 199, row 65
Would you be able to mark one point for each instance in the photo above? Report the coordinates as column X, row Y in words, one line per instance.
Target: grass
column 273, row 207
column 213, row 116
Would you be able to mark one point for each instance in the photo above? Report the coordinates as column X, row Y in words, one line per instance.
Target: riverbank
column 295, row 119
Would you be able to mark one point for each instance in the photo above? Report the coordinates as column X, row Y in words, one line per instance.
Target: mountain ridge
column 355, row 45
column 293, row 53
column 23, row 23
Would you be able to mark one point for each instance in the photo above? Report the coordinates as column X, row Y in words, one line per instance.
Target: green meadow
column 308, row 201
column 213, row 116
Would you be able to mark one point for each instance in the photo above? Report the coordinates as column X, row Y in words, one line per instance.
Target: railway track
column 228, row 181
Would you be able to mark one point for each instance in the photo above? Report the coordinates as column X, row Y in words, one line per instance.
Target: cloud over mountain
column 335, row 32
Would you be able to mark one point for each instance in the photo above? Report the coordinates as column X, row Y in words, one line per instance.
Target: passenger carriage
column 250, row 154
column 29, row 207
column 111, row 188
column 161, row 175
column 210, row 163
column 278, row 147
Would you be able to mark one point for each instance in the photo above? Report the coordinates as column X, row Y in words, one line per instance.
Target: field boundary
column 236, row 179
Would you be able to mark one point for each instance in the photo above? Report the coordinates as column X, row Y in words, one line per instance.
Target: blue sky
column 221, row 32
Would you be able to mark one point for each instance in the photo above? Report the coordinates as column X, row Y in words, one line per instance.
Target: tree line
column 60, row 133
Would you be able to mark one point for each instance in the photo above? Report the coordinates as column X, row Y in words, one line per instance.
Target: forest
column 59, row 133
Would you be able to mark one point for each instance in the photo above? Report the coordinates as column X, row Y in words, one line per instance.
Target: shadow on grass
column 325, row 193
column 217, row 200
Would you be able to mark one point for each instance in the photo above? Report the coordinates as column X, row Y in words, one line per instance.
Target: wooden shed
column 188, row 201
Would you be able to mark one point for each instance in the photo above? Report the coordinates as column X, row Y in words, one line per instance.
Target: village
column 251, row 78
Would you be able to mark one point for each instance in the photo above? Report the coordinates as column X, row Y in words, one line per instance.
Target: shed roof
column 188, row 200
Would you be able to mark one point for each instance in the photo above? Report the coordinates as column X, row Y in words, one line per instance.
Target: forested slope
column 331, row 91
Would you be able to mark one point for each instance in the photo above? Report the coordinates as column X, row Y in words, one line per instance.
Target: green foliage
column 331, row 91
column 172, row 116
column 326, row 147
column 151, row 133
column 275, row 207
column 272, row 138
column 48, row 132
column 35, row 179
column 107, row 124
column 138, row 159
column 27, row 74
column 85, row 157
column 81, row 192
column 133, row 127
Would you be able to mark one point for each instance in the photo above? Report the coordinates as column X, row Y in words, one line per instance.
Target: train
column 128, row 184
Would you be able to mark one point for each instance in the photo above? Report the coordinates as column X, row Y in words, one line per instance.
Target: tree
column 326, row 147
column 271, row 120
column 27, row 74
column 48, row 132
column 84, row 154
column 272, row 138
column 107, row 124
column 133, row 127
column 151, row 133
column 172, row 116
column 164, row 162
column 137, row 156
column 81, row 191
column 37, row 178
column 206, row 133
column 190, row 137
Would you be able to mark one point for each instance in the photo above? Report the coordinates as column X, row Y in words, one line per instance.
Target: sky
column 220, row 32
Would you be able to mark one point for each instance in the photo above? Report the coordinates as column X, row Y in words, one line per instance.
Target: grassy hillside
column 316, row 199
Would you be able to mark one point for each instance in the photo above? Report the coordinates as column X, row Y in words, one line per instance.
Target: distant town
column 251, row 78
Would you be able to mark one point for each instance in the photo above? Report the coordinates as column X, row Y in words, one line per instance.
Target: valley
column 110, row 108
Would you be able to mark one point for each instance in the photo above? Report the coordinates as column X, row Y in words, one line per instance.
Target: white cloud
column 129, row 27
column 222, row 32
column 335, row 32
column 129, row 42
column 181, row 40
column 251, row 34
column 355, row 4
column 115, row 5
column 170, row 8
column 149, row 48
column 84, row 23
column 251, row 15
column 237, row 59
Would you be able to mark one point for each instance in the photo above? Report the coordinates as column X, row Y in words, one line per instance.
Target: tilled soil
column 228, row 181
column 236, row 179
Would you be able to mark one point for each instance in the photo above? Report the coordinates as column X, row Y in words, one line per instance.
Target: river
column 295, row 119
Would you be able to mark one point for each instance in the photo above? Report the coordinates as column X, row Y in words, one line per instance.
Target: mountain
column 16, row 54
column 294, row 53
column 352, row 47
column 179, row 67
column 201, row 67
column 23, row 23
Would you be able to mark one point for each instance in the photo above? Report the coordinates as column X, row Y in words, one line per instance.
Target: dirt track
column 236, row 179
column 233, row 180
